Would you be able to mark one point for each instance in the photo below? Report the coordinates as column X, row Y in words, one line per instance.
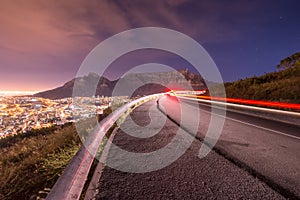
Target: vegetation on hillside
column 31, row 163
column 290, row 61
column 281, row 86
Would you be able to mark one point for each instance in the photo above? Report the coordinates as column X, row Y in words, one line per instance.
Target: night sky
column 43, row 43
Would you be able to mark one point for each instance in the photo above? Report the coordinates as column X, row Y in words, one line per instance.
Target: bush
column 29, row 164
column 282, row 86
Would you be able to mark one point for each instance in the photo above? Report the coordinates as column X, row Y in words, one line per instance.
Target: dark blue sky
column 43, row 43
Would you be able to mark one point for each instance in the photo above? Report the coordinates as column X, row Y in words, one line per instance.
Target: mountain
column 144, row 83
column 104, row 87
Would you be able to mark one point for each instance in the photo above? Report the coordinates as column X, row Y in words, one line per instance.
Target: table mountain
column 105, row 87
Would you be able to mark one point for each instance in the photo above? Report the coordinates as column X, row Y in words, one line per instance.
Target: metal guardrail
column 267, row 113
column 70, row 184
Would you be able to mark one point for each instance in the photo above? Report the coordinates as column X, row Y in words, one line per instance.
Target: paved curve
column 189, row 177
column 269, row 149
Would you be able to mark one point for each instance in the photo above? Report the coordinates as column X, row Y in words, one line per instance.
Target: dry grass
column 32, row 163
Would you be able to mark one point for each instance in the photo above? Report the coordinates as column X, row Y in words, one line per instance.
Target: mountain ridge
column 105, row 86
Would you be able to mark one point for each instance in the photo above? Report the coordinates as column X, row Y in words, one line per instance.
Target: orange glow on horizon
column 14, row 92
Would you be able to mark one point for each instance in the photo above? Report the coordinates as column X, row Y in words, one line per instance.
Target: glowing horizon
column 16, row 92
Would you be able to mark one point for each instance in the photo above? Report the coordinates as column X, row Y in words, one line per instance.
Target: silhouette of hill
column 282, row 85
column 104, row 87
column 146, row 83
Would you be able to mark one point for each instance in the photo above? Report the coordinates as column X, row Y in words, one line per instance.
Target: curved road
column 189, row 177
column 267, row 149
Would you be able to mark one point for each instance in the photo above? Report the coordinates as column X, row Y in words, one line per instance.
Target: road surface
column 189, row 177
column 267, row 149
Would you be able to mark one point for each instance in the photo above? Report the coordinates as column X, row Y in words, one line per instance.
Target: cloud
column 207, row 22
column 58, row 27
column 51, row 38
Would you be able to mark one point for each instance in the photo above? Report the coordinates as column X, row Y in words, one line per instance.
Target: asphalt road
column 267, row 149
column 188, row 177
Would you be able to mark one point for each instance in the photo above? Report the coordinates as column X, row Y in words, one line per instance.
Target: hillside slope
column 104, row 87
column 282, row 86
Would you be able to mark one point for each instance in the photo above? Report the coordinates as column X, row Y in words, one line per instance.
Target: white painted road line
column 249, row 124
column 260, row 127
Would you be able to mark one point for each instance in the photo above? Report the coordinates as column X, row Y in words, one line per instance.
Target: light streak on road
column 243, row 101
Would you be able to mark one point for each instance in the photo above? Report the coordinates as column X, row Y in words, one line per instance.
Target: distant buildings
column 21, row 114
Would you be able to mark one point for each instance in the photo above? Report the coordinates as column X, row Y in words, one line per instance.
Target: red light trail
column 246, row 101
